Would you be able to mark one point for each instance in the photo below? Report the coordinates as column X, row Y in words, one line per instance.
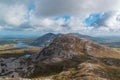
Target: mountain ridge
column 46, row 39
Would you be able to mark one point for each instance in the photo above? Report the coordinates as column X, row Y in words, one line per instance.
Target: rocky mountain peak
column 67, row 45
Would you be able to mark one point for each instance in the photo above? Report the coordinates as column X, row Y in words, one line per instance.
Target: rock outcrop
column 12, row 67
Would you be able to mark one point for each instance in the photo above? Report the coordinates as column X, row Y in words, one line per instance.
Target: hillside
column 70, row 44
column 67, row 57
column 44, row 40
column 68, row 51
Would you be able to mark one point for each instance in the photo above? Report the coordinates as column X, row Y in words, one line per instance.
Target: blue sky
column 88, row 17
column 92, row 18
column 66, row 18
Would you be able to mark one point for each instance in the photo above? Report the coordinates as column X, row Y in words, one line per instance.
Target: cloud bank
column 60, row 16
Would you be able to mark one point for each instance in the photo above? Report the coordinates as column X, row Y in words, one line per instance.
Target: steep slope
column 44, row 40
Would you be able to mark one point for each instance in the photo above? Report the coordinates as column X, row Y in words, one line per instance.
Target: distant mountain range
column 96, row 39
column 67, row 57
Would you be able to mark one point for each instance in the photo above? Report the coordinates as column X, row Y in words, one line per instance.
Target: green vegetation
column 18, row 52
column 117, row 49
column 4, row 41
column 7, row 46
column 116, row 73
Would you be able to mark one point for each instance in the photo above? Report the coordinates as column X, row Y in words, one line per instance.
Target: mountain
column 44, row 40
column 78, row 46
column 67, row 57
column 47, row 39
column 77, row 58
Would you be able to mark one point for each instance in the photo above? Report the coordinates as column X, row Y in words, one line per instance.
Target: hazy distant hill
column 96, row 39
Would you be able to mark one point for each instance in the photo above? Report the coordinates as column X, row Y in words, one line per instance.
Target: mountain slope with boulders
column 69, row 57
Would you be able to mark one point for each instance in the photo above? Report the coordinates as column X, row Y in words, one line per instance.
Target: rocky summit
column 67, row 57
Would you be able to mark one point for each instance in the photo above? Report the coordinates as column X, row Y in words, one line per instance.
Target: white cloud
column 78, row 9
column 14, row 15
column 108, row 20
column 1, row 28
column 13, row 12
column 114, row 21
column 74, row 24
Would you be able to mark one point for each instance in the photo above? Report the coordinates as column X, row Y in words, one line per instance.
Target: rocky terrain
column 12, row 67
column 67, row 57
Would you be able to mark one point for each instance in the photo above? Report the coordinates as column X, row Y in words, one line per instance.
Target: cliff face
column 88, row 58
